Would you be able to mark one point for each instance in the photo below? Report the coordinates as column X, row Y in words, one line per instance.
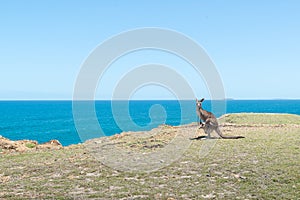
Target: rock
column 52, row 144
column 9, row 146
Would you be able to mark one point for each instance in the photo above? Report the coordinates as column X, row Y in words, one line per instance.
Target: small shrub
column 30, row 145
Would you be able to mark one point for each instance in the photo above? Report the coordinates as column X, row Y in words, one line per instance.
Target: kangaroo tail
column 226, row 136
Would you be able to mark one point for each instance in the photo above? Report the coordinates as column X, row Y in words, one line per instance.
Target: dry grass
column 264, row 165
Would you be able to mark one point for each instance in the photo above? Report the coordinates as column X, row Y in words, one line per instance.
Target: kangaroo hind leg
column 208, row 130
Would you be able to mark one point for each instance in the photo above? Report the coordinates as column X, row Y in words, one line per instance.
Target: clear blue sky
column 255, row 45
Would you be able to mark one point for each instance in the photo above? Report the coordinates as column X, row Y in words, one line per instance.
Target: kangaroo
column 210, row 122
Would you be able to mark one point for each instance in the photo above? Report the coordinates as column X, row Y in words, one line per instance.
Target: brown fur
column 210, row 122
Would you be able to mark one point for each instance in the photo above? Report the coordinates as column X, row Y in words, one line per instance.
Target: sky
column 255, row 45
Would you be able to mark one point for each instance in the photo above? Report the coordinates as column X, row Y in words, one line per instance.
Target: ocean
column 47, row 120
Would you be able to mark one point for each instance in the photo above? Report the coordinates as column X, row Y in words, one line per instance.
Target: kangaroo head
column 199, row 103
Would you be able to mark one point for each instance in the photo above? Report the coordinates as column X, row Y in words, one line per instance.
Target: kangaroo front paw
column 201, row 125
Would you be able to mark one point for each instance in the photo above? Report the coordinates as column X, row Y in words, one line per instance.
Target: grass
column 264, row 165
column 30, row 145
column 261, row 118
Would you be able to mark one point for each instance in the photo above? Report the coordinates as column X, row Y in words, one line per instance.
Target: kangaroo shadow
column 203, row 137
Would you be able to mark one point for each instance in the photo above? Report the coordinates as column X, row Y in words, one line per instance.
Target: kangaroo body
column 210, row 122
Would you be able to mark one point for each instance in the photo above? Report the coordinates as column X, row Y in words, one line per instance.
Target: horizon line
column 171, row 99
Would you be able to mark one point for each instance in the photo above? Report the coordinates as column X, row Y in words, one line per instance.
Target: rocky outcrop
column 52, row 144
column 9, row 146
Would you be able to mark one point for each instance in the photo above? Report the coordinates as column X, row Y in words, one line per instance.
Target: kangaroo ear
column 202, row 100
column 196, row 100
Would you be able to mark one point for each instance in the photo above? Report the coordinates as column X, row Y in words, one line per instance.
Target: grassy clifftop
column 264, row 165
column 261, row 118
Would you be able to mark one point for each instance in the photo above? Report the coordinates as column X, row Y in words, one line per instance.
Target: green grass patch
column 30, row 145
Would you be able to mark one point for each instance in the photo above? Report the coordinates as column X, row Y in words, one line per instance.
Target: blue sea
column 46, row 120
